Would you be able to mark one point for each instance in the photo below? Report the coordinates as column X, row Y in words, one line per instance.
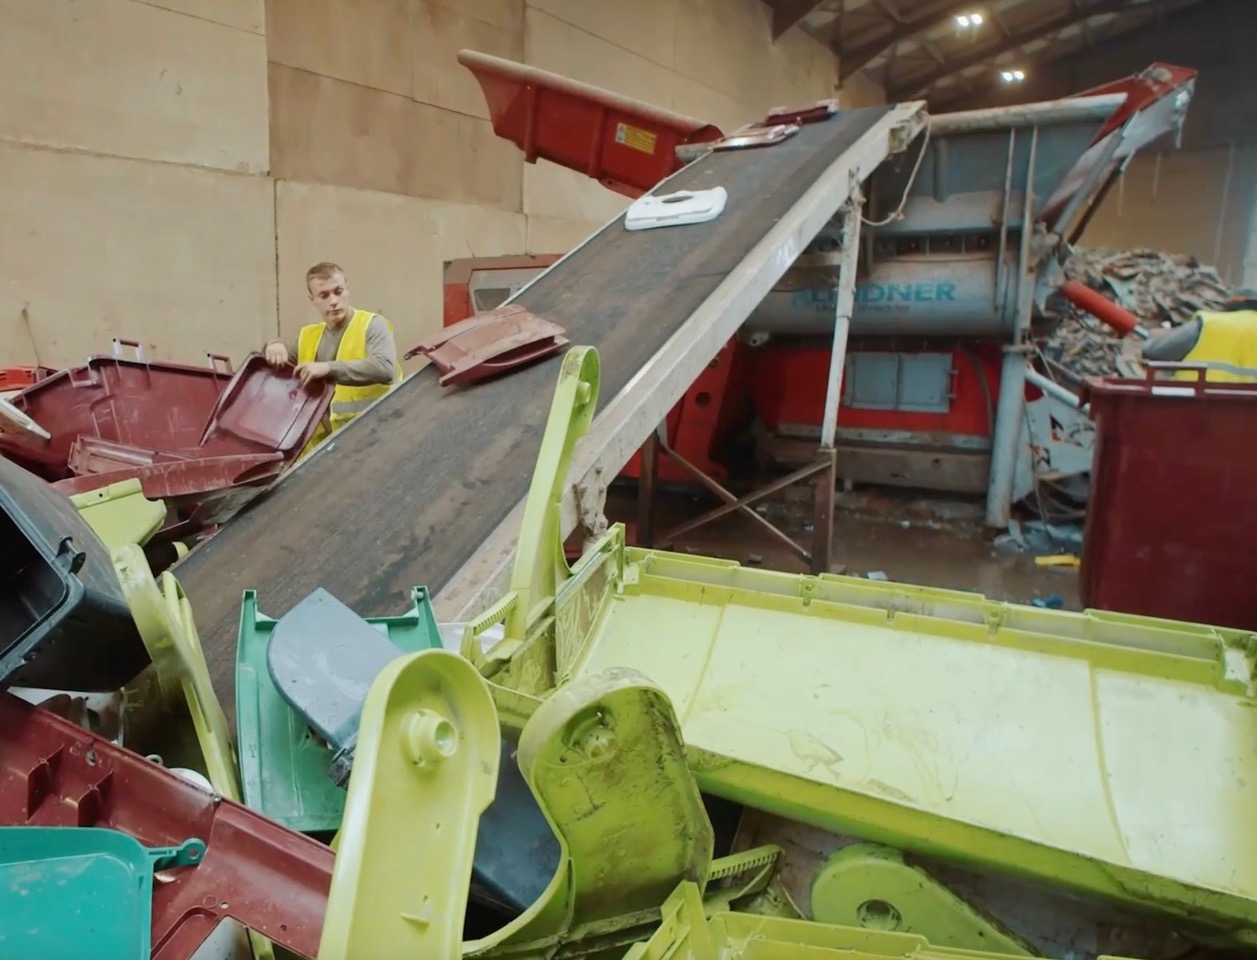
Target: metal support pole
column 843, row 304
column 646, row 490
column 1012, row 389
column 734, row 503
column 823, row 512
column 823, row 519
column 1054, row 389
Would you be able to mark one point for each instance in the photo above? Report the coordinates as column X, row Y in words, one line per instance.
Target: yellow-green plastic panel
column 120, row 513
column 1111, row 754
column 686, row 935
column 400, row 884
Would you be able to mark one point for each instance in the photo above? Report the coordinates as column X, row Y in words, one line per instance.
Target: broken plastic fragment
column 675, row 209
column 807, row 113
column 490, row 343
column 756, row 136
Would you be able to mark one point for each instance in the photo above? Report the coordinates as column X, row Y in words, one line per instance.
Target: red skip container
column 1173, row 506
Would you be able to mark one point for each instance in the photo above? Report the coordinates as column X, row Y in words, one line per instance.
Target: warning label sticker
column 635, row 138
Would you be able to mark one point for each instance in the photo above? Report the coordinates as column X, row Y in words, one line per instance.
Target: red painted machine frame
column 459, row 304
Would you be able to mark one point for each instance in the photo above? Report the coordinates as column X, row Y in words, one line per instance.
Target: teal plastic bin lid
column 70, row 892
column 283, row 765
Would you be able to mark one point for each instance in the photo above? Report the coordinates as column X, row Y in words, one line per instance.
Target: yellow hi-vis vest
column 1228, row 344
column 347, row 401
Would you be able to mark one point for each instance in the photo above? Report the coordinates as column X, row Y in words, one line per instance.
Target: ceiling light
column 1012, row 76
column 969, row 20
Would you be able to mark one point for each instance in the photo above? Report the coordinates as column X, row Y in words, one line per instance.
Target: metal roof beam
column 1018, row 39
column 787, row 13
column 860, row 56
column 1097, row 45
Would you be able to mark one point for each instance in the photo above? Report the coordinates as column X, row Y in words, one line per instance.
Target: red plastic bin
column 265, row 876
column 144, row 403
column 1173, row 506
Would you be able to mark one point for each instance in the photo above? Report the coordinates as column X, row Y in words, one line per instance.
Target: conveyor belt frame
column 630, row 418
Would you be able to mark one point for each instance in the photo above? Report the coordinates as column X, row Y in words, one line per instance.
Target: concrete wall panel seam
column 134, row 79
column 248, row 19
column 261, row 171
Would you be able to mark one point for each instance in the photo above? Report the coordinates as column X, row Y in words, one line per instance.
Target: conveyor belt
column 405, row 494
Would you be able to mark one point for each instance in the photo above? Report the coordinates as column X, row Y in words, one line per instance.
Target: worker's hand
column 276, row 353
column 309, row 372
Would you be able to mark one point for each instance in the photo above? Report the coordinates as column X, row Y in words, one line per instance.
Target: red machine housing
column 626, row 145
column 782, row 384
column 788, row 389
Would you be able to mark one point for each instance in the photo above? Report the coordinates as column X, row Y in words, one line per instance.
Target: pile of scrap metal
column 554, row 778
column 203, row 440
column 1160, row 289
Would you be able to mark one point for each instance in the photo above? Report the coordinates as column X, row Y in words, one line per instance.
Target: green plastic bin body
column 71, row 892
column 283, row 767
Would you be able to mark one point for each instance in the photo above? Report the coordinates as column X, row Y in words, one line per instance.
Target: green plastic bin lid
column 69, row 892
column 283, row 766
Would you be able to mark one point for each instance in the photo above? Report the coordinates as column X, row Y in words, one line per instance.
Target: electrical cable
column 912, row 179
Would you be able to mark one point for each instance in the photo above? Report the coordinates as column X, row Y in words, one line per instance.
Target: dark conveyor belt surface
column 405, row 494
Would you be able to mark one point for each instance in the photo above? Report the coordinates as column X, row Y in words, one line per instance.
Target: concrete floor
column 909, row 536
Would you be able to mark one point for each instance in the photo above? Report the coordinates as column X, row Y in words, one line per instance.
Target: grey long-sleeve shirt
column 380, row 366
column 1173, row 345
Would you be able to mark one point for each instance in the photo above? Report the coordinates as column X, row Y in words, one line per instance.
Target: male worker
column 1226, row 341
column 352, row 348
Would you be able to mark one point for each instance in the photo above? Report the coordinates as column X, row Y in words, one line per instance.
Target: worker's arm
column 380, row 364
column 1173, row 345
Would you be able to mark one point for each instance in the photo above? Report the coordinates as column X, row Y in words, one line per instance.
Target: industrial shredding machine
column 961, row 261
column 915, row 773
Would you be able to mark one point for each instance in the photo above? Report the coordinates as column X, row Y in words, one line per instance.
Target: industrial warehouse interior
column 652, row 480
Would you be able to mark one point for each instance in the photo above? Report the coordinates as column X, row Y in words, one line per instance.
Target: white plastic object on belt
column 675, row 209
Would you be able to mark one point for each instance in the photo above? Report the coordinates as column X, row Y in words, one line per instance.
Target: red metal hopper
column 626, row 145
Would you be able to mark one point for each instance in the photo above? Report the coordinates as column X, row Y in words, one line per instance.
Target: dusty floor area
column 907, row 536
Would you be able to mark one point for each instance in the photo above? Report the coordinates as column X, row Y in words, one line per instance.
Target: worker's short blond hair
column 323, row 271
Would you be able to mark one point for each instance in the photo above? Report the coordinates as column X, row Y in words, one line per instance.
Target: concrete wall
column 860, row 91
column 169, row 168
column 133, row 188
column 1201, row 202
